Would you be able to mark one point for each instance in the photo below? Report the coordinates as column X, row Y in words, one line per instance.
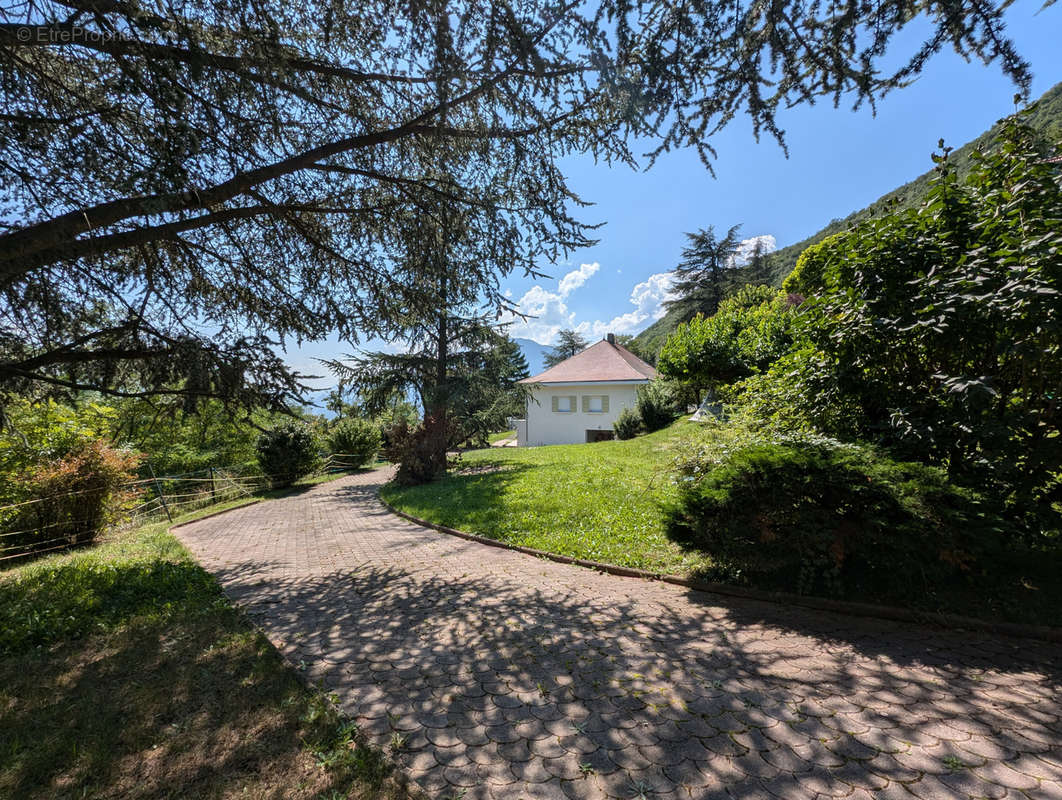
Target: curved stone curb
column 955, row 621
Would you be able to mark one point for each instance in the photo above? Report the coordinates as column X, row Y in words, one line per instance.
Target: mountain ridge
column 535, row 354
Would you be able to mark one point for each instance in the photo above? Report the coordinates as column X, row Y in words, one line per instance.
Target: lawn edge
column 171, row 527
column 398, row 776
column 850, row 608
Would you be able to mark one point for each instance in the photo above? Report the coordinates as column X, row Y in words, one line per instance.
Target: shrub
column 656, row 406
column 354, row 442
column 288, row 452
column 934, row 330
column 751, row 330
column 420, row 452
column 627, row 424
column 816, row 516
column 72, row 499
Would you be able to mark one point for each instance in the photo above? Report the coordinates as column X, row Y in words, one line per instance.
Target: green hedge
column 288, row 452
column 627, row 424
column 820, row 517
column 655, row 406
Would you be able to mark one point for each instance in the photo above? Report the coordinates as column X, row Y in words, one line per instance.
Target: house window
column 595, row 403
column 564, row 404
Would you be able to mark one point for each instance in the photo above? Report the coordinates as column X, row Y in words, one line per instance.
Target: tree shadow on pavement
column 599, row 686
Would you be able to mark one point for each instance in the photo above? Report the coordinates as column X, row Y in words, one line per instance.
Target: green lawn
column 497, row 437
column 596, row 501
column 606, row 502
column 124, row 672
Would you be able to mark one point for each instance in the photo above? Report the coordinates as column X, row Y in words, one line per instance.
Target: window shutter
column 604, row 403
column 586, row 403
column 573, row 403
column 556, row 407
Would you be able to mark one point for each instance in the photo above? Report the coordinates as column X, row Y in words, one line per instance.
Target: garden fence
column 44, row 524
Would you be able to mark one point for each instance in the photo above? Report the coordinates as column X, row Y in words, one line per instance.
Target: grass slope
column 606, row 502
column 1046, row 118
column 598, row 501
column 124, row 672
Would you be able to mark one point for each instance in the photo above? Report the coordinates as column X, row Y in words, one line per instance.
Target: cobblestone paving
column 505, row 676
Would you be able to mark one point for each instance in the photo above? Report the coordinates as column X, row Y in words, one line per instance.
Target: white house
column 578, row 399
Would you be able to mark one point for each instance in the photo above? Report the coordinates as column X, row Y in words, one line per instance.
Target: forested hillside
column 1046, row 117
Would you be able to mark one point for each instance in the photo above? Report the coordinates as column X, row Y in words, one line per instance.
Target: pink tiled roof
column 603, row 361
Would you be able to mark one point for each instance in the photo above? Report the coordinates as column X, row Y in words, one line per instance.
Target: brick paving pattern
column 501, row 675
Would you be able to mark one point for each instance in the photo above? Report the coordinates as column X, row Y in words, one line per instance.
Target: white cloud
column 768, row 244
column 647, row 298
column 649, row 295
column 548, row 313
column 576, row 278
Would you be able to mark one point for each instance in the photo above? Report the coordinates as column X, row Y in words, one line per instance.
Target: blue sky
column 839, row 161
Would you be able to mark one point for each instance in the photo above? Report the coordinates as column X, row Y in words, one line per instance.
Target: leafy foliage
column 937, row 331
column 655, row 406
column 819, row 517
column 355, row 441
column 627, row 424
column 46, row 432
column 749, row 332
column 288, row 452
column 72, row 499
column 178, row 441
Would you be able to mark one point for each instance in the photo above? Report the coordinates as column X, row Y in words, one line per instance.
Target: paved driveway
column 506, row 676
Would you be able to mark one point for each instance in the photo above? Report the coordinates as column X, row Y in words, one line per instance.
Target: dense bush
column 34, row 433
column 420, row 452
column 655, row 406
column 937, row 331
column 818, row 516
column 750, row 331
column 71, row 500
column 287, row 452
column 627, row 424
column 354, row 442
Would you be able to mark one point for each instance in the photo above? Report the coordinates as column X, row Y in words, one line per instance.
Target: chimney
column 610, row 338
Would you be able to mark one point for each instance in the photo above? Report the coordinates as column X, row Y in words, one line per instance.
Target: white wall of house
column 548, row 421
